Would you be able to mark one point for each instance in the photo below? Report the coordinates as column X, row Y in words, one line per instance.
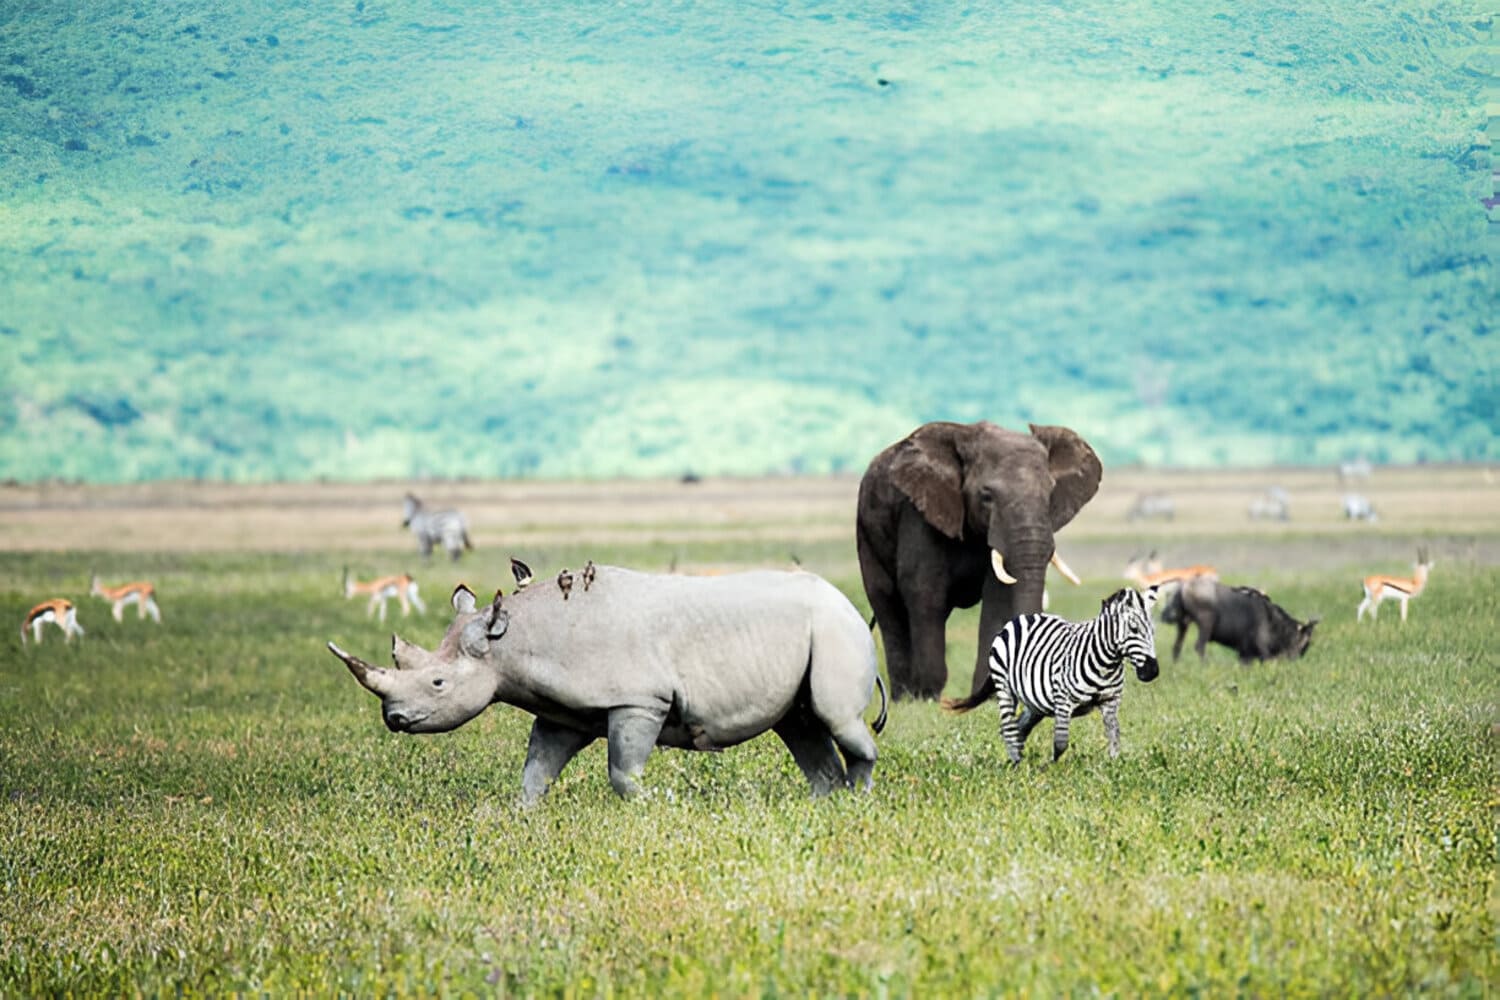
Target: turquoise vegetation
column 273, row 240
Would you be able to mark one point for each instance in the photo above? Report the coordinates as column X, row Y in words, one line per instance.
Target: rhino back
column 727, row 654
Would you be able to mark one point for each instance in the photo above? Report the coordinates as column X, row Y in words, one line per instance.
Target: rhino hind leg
column 813, row 749
column 858, row 747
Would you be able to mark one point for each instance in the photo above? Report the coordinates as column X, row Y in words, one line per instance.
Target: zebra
column 1054, row 667
column 432, row 527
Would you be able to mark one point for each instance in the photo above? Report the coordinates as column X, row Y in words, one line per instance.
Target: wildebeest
column 1242, row 618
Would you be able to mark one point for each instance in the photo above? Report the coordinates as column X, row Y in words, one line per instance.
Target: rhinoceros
column 645, row 660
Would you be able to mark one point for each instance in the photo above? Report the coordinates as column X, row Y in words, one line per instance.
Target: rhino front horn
column 373, row 678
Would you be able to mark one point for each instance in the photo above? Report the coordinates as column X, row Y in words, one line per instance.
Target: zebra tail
column 960, row 705
column 468, row 544
column 879, row 723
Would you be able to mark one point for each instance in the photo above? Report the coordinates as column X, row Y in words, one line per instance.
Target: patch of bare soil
column 1210, row 515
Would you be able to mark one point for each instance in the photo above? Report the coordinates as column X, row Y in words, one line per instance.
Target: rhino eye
column 438, row 682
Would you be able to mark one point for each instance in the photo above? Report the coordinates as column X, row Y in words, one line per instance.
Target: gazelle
column 60, row 612
column 1402, row 588
column 140, row 593
column 1148, row 572
column 401, row 586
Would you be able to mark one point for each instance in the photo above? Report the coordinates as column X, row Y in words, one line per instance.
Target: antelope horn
column 1064, row 569
column 997, row 563
column 373, row 678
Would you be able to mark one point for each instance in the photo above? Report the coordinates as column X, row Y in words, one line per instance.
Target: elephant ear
column 1074, row 467
column 926, row 468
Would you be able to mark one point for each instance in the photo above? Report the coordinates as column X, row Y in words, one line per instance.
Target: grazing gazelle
column 401, row 586
column 1148, row 572
column 1402, row 588
column 140, row 593
column 60, row 612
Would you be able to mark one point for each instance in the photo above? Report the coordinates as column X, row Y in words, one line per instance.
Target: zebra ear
column 463, row 600
column 1151, row 594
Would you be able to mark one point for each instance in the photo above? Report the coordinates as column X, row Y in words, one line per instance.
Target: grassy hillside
column 274, row 240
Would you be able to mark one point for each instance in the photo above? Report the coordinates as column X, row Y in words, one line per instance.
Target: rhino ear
column 463, row 600
column 496, row 619
column 1075, row 469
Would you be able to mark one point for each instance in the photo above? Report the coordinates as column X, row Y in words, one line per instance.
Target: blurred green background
column 386, row 239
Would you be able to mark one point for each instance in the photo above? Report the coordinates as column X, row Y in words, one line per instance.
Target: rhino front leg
column 812, row 748
column 550, row 748
column 632, row 733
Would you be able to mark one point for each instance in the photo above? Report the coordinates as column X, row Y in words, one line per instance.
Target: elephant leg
column 813, row 750
column 550, row 748
column 895, row 638
column 929, row 646
column 998, row 607
column 633, row 731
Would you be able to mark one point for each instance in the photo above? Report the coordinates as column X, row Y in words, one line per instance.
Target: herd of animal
column 950, row 516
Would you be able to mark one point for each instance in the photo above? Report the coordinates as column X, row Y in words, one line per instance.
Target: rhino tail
column 879, row 722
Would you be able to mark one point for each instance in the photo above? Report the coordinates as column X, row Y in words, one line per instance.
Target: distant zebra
column 1150, row 505
column 1357, row 507
column 436, row 527
column 1054, row 667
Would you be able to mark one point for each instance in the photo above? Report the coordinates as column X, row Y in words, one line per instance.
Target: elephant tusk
column 1065, row 570
column 997, row 563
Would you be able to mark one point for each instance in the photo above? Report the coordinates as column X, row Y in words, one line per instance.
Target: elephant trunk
column 1025, row 552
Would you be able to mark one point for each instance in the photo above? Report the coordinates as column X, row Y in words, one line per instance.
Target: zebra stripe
column 447, row 528
column 1052, row 667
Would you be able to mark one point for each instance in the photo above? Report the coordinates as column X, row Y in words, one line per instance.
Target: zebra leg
column 1060, row 723
column 1111, row 712
column 1029, row 718
column 1008, row 727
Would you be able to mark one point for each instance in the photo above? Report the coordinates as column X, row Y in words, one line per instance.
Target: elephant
column 953, row 514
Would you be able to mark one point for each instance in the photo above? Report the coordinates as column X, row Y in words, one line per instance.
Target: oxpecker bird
column 588, row 574
column 521, row 572
column 565, row 582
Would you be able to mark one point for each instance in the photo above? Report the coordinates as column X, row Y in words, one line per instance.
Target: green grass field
column 214, row 805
